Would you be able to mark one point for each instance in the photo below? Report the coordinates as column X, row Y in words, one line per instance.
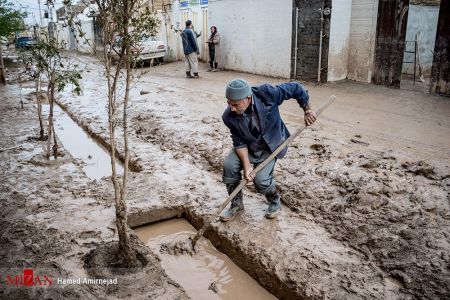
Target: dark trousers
column 264, row 180
column 212, row 57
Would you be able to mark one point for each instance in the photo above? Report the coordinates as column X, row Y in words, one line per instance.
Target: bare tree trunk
column 39, row 109
column 125, row 252
column 124, row 243
column 20, row 86
column 2, row 67
column 55, row 142
column 51, row 94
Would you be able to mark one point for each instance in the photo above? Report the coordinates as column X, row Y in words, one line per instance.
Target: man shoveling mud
column 257, row 130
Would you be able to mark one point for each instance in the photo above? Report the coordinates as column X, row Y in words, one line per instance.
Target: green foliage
column 127, row 19
column 48, row 60
column 11, row 19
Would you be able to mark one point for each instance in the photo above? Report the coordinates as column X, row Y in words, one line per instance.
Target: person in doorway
column 191, row 50
column 257, row 129
column 213, row 42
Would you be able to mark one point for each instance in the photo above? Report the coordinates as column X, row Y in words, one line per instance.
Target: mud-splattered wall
column 362, row 40
column 339, row 39
column 422, row 20
column 255, row 35
column 440, row 73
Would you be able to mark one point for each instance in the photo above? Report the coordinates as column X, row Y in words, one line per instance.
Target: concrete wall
column 363, row 28
column 166, row 34
column 63, row 36
column 339, row 39
column 423, row 21
column 86, row 44
column 256, row 35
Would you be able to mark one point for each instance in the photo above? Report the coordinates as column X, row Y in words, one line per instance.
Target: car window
column 145, row 38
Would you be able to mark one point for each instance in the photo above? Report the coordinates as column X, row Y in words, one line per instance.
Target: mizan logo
column 29, row 279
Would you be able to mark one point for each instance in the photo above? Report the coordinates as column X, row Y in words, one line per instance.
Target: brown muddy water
column 95, row 160
column 208, row 274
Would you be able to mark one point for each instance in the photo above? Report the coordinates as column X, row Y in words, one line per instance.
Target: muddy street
column 365, row 194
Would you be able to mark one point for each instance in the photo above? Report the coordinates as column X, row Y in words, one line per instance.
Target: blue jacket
column 189, row 42
column 266, row 99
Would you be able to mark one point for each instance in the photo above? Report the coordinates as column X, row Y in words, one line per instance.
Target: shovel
column 255, row 171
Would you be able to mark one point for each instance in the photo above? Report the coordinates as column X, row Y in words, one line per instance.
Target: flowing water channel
column 208, row 274
column 96, row 161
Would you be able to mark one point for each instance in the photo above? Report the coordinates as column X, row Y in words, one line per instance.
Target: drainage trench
column 208, row 274
column 96, row 160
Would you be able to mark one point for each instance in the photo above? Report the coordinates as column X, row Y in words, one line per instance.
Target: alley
column 364, row 190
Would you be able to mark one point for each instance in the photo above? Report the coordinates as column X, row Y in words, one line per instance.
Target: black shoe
column 188, row 75
column 274, row 204
column 196, row 76
column 237, row 204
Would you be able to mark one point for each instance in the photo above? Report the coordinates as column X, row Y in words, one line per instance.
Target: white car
column 148, row 49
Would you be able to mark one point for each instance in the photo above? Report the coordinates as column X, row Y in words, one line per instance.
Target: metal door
column 440, row 72
column 310, row 39
column 390, row 42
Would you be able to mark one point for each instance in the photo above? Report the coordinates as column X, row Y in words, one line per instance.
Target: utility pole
column 40, row 13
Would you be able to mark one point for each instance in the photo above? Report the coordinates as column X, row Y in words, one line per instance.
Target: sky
column 32, row 7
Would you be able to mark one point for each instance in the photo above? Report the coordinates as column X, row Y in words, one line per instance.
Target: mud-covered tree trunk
column 55, row 142
column 124, row 245
column 126, row 254
column 2, row 67
column 39, row 109
column 124, row 19
column 20, row 86
column 51, row 95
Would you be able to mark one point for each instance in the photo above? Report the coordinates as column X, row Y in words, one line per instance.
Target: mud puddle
column 209, row 274
column 96, row 159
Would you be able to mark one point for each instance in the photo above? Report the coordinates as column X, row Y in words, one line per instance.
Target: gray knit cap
column 238, row 89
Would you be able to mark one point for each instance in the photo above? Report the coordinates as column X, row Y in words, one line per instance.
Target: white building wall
column 423, row 21
column 86, row 44
column 256, row 35
column 63, row 36
column 339, row 39
column 363, row 29
column 166, row 35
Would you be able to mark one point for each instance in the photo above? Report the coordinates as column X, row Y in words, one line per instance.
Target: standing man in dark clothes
column 257, row 129
column 191, row 50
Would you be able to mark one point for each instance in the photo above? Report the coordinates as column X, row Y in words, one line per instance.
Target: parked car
column 149, row 48
column 25, row 42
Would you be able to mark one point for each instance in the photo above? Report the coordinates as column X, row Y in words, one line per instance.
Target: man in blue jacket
column 191, row 50
column 257, row 129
